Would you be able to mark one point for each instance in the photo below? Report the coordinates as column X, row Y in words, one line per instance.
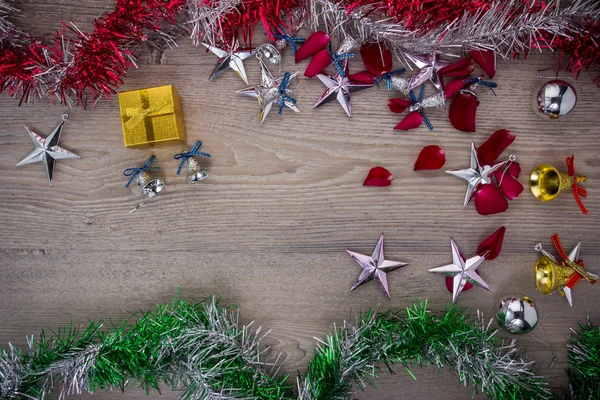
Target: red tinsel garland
column 92, row 65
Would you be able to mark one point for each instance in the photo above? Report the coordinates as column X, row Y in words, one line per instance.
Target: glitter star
column 462, row 271
column 375, row 266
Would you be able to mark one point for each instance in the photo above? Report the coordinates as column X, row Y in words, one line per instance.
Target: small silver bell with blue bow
column 194, row 172
column 150, row 185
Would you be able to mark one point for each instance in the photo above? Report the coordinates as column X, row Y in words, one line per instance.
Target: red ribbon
column 577, row 276
column 577, row 189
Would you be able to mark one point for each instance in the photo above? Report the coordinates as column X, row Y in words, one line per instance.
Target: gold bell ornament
column 552, row 274
column 546, row 182
column 194, row 172
column 150, row 185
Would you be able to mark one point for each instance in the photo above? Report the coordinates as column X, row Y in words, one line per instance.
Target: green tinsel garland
column 201, row 351
column 584, row 360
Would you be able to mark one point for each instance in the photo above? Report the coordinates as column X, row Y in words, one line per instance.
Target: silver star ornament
column 269, row 92
column 462, row 271
column 46, row 149
column 476, row 174
column 429, row 67
column 375, row 267
column 230, row 59
column 339, row 87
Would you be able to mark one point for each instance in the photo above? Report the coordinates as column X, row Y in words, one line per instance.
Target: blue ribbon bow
column 283, row 97
column 489, row 84
column 185, row 155
column 134, row 172
column 336, row 60
column 290, row 39
column 420, row 110
column 388, row 77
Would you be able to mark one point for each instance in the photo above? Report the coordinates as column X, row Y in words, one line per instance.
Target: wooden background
column 284, row 199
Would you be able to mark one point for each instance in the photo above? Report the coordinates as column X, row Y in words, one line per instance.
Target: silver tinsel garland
column 496, row 28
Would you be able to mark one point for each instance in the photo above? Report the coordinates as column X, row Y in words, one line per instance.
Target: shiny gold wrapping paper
column 151, row 116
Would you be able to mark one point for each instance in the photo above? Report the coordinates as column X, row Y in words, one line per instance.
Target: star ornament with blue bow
column 272, row 92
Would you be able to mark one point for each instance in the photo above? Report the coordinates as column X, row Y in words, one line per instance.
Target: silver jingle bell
column 517, row 314
column 269, row 52
column 150, row 186
column 194, row 173
column 556, row 98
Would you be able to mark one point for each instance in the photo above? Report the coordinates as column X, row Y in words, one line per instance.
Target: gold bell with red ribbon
column 546, row 182
column 553, row 274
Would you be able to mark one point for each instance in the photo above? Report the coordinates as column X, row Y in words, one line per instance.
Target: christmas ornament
column 150, row 186
column 475, row 175
column 50, row 365
column 556, row 98
column 378, row 60
column 283, row 39
column 463, row 109
column 339, row 87
column 490, row 247
column 462, row 271
column 194, row 173
column 552, row 274
column 272, row 91
column 375, row 267
column 416, row 108
column 517, row 314
column 546, row 183
column 430, row 157
column 378, row 176
column 325, row 57
column 429, row 69
column 269, row 53
column 150, row 116
column 233, row 58
column 491, row 183
column 46, row 149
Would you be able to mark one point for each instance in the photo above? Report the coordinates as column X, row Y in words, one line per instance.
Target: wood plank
column 269, row 228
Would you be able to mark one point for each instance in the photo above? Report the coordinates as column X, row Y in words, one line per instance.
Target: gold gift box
column 151, row 115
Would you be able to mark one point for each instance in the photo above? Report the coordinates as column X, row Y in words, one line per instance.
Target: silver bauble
column 556, row 98
column 517, row 314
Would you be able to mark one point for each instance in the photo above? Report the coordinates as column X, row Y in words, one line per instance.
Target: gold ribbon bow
column 138, row 114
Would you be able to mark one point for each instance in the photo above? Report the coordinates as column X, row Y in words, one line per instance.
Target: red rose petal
column 450, row 285
column 511, row 187
column 398, row 105
column 462, row 112
column 377, row 58
column 411, row 121
column 489, row 200
column 315, row 42
column 431, row 157
column 378, row 176
column 318, row 64
column 486, row 60
column 491, row 149
column 462, row 67
column 451, row 88
column 492, row 244
column 514, row 169
column 363, row 77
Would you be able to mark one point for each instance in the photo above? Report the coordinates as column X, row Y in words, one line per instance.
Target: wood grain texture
column 269, row 228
